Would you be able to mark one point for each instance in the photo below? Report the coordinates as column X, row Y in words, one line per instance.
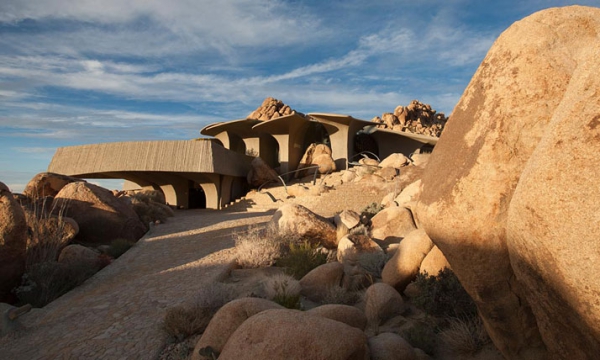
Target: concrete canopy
column 169, row 165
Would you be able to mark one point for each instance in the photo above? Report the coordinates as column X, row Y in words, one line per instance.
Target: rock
column 101, row 217
column 395, row 161
column 349, row 218
column 388, row 200
column 346, row 314
column 348, row 176
column 434, row 262
column 390, row 346
column 382, row 302
column 409, row 194
column 270, row 109
column 291, row 334
column 260, row 173
column 226, row 321
column 368, row 162
column 512, row 202
column 316, row 154
column 13, row 243
column 417, row 118
column 77, row 253
column 387, row 173
column 351, row 246
column 404, row 266
column 47, row 184
column 392, row 222
column 319, row 280
column 296, row 219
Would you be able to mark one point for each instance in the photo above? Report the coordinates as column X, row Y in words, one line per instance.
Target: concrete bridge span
column 191, row 173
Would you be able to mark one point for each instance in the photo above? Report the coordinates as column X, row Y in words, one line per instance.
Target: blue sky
column 88, row 71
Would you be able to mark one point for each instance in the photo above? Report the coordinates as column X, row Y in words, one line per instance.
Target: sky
column 76, row 72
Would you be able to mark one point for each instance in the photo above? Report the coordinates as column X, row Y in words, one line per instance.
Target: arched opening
column 196, row 197
column 315, row 133
column 237, row 144
column 364, row 143
column 269, row 150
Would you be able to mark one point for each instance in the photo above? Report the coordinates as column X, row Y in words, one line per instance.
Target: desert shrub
column 284, row 290
column 258, row 247
column 43, row 282
column 43, row 243
column 301, row 259
column 372, row 262
column 371, row 210
column 183, row 321
column 149, row 195
column 359, row 230
column 339, row 295
column 464, row 337
column 118, row 247
column 443, row 296
column 421, row 335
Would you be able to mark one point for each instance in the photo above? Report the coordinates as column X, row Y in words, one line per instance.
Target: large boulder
column 47, row 184
column 101, row 216
column 347, row 314
column 316, row 284
column 296, row 219
column 316, row 155
column 58, row 230
column 382, row 302
column 291, row 334
column 392, row 224
column 396, row 161
column 434, row 262
column 226, row 321
column 510, row 194
column 13, row 243
column 404, row 266
column 271, row 108
column 260, row 173
column 390, row 346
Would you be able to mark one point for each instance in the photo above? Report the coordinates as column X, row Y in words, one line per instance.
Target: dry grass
column 464, row 337
column 183, row 321
column 43, row 244
column 258, row 247
column 339, row 295
column 284, row 290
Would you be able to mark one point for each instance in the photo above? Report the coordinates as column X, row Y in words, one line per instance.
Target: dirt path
column 117, row 314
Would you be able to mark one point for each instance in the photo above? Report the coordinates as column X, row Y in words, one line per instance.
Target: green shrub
column 301, row 259
column 443, row 296
column 118, row 247
column 46, row 281
column 150, row 211
column 421, row 335
column 371, row 210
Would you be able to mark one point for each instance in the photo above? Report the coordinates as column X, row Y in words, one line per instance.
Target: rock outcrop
column 296, row 219
column 13, row 243
column 316, row 155
column 510, row 194
column 101, row 216
column 47, row 184
column 404, row 266
column 416, row 118
column 260, row 173
column 270, row 109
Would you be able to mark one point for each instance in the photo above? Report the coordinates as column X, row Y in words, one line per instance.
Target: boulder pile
column 416, row 117
column 271, row 108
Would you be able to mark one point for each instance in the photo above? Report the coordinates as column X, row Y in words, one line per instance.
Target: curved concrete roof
column 340, row 118
column 279, row 125
column 418, row 137
column 198, row 156
column 242, row 127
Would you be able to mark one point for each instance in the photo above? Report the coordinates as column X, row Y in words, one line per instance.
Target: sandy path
column 117, row 314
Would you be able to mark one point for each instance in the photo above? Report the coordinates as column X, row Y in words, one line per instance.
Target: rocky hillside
column 417, row 117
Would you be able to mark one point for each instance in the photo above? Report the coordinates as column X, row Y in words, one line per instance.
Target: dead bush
column 258, row 247
column 284, row 290
column 464, row 337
